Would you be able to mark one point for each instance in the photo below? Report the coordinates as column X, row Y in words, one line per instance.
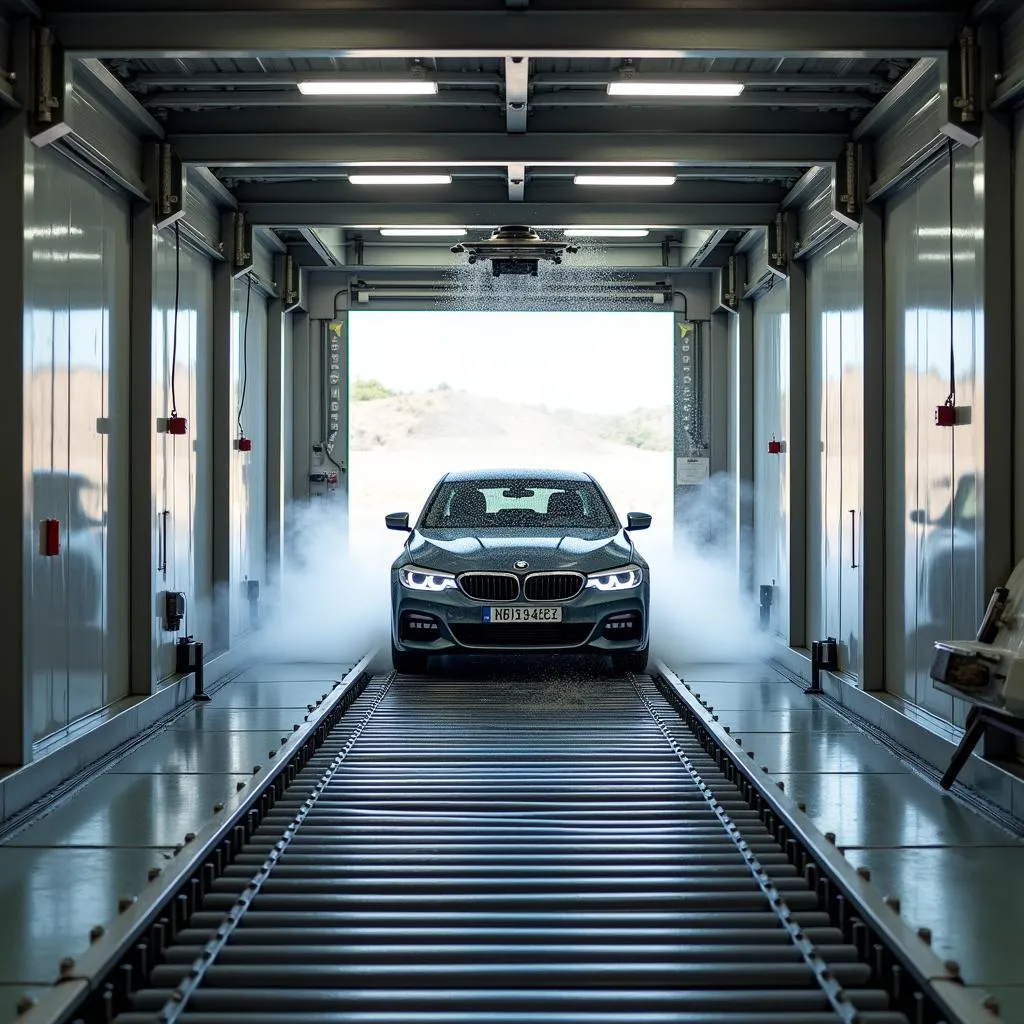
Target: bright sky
column 582, row 361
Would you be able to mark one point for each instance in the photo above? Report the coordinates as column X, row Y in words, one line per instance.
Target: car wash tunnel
column 514, row 511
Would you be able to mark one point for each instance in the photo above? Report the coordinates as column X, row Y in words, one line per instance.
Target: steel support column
column 718, row 393
column 275, row 425
column 144, row 540
column 744, row 384
column 222, row 432
column 997, row 498
column 796, row 442
column 19, row 532
column 872, row 551
column 301, row 440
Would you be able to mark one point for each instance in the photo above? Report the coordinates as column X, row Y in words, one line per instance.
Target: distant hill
column 381, row 420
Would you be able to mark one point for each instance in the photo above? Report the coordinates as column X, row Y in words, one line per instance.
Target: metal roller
column 478, row 853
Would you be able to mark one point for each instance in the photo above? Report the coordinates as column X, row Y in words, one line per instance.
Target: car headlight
column 414, row 578
column 626, row 578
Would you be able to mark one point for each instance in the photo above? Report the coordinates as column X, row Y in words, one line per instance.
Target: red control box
column 774, row 447
column 244, row 444
column 177, row 425
column 50, row 540
column 945, row 415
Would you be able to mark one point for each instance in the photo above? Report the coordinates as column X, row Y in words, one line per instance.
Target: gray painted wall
column 933, row 567
column 835, row 331
column 77, row 263
column 182, row 464
column 248, row 469
column 771, row 401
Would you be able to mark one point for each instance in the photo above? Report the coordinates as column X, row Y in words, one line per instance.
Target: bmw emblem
column 521, row 565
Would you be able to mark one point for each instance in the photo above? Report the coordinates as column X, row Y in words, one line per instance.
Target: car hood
column 456, row 551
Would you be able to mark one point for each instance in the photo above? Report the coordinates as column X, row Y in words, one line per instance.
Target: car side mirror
column 397, row 521
column 638, row 521
column 918, row 516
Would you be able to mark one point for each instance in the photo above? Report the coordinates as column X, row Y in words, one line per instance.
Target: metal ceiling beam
column 540, row 215
column 516, row 110
column 762, row 81
column 483, row 149
column 419, row 121
column 241, row 80
column 229, row 98
column 494, row 191
column 415, row 31
column 480, row 79
column 324, row 173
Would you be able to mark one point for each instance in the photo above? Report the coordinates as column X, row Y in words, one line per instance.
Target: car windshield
column 518, row 504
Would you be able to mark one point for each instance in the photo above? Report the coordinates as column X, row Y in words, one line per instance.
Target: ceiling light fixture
column 606, row 232
column 423, row 232
column 400, row 179
column 624, row 179
column 409, row 87
column 638, row 87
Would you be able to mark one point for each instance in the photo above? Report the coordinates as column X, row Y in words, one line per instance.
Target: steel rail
column 569, row 850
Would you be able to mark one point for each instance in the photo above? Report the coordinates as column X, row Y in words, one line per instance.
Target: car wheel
column 633, row 661
column 408, row 663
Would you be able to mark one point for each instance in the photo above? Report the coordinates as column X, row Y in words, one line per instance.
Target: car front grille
column 552, row 586
column 522, row 634
column 489, row 586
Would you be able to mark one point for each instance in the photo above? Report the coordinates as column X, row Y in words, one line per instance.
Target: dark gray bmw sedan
column 516, row 560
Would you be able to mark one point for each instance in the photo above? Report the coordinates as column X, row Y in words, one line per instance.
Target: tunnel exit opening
column 434, row 391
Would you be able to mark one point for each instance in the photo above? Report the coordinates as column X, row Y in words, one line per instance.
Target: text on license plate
column 512, row 613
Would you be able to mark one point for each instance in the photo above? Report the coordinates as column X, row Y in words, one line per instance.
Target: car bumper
column 460, row 626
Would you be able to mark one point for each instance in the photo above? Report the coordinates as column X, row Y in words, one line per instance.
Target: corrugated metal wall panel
column 201, row 211
column 758, row 273
column 1012, row 39
column 263, row 258
column 912, row 133
column 816, row 226
column 101, row 137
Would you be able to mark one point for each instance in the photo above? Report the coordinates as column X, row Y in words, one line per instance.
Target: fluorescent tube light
column 411, row 87
column 423, row 232
column 624, row 179
column 634, row 87
column 606, row 232
column 400, row 179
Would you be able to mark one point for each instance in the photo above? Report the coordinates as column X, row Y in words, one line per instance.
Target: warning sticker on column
column 692, row 471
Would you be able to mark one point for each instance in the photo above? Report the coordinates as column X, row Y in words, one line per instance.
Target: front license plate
column 513, row 613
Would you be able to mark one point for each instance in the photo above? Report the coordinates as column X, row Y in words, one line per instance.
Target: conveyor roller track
column 512, row 854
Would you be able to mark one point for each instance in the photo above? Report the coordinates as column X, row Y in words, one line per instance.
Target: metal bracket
column 49, row 82
column 290, row 284
column 729, row 292
column 169, row 191
column 848, row 203
column 964, row 81
column 237, row 239
column 778, row 255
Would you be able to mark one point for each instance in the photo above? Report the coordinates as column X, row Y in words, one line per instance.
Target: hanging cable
column 951, row 399
column 245, row 353
column 174, row 328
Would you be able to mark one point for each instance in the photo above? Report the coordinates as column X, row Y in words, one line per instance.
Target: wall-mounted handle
column 853, row 538
column 162, row 567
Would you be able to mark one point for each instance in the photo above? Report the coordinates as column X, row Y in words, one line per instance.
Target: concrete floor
column 955, row 872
